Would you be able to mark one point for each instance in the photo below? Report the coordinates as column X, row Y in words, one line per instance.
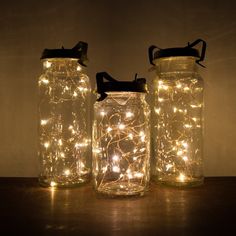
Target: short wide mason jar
column 177, row 115
column 121, row 137
column 64, row 114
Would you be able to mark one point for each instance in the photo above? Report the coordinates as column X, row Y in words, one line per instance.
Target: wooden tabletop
column 27, row 209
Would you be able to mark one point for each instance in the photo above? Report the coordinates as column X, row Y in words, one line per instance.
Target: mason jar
column 177, row 115
column 121, row 137
column 64, row 114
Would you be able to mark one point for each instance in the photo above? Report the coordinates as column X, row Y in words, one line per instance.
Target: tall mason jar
column 177, row 115
column 64, row 114
column 121, row 137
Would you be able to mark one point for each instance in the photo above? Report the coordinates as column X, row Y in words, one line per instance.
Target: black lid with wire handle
column 79, row 51
column 137, row 85
column 155, row 52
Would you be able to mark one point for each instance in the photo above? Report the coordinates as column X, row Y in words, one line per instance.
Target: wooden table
column 27, row 209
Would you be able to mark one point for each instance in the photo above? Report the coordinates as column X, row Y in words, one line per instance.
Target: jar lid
column 137, row 85
column 155, row 52
column 79, row 51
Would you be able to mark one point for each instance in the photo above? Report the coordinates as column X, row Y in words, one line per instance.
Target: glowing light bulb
column 67, row 172
column 79, row 68
column 157, row 110
column 43, row 122
column 102, row 113
column 109, row 129
column 130, row 136
column 181, row 177
column 194, row 119
column 185, row 144
column 142, row 136
column 121, row 126
column 75, row 94
column 174, row 109
column 115, row 158
column 47, row 64
column 196, row 106
column 129, row 114
column 188, row 126
column 180, row 152
column 186, row 88
column 116, row 169
column 53, row 184
column 160, row 99
column 185, row 158
column 169, row 166
column 178, row 85
column 60, row 142
column 46, row 144
column 62, row 154
column 45, row 81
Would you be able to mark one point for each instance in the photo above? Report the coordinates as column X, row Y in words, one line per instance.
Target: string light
column 177, row 113
column 64, row 141
column 121, row 144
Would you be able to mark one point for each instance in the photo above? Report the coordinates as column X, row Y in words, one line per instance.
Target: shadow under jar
column 64, row 114
column 121, row 137
column 177, row 115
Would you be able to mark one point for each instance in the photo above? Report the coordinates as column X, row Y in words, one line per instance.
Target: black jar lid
column 79, row 51
column 112, row 85
column 155, row 52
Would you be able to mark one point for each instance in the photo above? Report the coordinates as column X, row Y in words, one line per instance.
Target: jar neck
column 176, row 64
column 125, row 96
column 61, row 65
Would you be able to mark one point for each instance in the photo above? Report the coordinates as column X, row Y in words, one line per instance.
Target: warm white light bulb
column 43, row 122
column 109, row 129
column 102, row 113
column 116, row 169
column 60, row 142
column 181, row 177
column 115, row 158
column 180, row 152
column 45, row 81
column 121, row 126
column 46, row 144
column 79, row 68
column 129, row 114
column 67, row 172
column 53, row 184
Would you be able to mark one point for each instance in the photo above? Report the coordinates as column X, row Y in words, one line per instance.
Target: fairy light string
column 121, row 144
column 178, row 128
column 64, row 138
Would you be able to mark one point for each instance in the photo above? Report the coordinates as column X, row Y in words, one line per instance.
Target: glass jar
column 64, row 114
column 177, row 115
column 121, row 137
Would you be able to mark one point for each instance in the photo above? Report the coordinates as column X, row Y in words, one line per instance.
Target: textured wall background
column 118, row 33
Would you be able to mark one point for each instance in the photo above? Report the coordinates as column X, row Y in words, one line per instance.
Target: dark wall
column 118, row 33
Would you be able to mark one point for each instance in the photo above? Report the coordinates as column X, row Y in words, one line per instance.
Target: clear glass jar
column 64, row 127
column 121, row 142
column 177, row 119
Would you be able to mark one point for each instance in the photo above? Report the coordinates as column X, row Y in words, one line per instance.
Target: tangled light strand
column 121, row 144
column 178, row 128
column 64, row 140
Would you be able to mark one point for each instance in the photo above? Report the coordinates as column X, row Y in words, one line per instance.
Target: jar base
column 63, row 182
column 193, row 182
column 121, row 190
